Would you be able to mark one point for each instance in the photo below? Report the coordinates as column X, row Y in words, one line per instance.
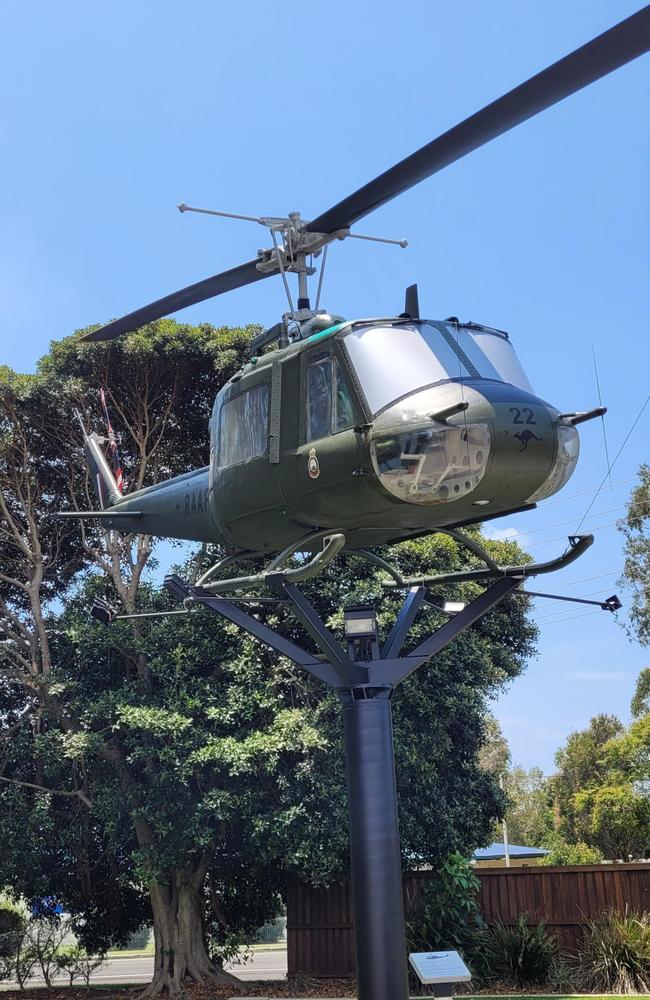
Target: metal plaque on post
column 441, row 968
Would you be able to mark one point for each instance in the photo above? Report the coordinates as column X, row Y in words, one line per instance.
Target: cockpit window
column 343, row 416
column 501, row 355
column 327, row 412
column 393, row 361
column 319, row 399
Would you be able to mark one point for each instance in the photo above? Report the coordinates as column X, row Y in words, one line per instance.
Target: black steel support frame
column 365, row 689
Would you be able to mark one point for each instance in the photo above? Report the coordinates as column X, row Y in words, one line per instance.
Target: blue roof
column 495, row 852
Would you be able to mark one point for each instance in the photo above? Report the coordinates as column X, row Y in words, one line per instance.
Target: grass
column 131, row 952
column 148, row 951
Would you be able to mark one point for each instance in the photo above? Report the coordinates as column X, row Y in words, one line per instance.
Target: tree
column 529, row 815
column 636, row 569
column 580, row 765
column 177, row 770
column 602, row 788
column 150, row 378
column 640, row 704
column 528, row 812
column 494, row 756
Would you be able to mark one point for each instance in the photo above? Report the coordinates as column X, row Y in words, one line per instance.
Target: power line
column 559, row 524
column 569, row 618
column 587, row 579
column 584, row 493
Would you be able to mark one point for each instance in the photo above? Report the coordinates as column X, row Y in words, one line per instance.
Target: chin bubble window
column 433, row 465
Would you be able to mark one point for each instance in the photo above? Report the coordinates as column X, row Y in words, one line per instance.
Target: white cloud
column 598, row 675
column 504, row 534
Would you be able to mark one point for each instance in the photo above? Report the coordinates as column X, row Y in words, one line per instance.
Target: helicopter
column 363, row 433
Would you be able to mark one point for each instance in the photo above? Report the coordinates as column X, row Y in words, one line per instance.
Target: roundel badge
column 313, row 468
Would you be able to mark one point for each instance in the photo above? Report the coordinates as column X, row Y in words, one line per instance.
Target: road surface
column 263, row 965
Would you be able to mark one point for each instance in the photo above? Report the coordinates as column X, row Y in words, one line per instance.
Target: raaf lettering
column 197, row 502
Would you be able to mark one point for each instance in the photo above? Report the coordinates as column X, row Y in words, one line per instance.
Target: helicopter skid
column 334, row 542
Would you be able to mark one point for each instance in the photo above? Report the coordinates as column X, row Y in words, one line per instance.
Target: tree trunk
column 179, row 937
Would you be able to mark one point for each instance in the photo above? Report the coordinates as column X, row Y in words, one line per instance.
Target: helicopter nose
column 489, row 439
column 433, row 446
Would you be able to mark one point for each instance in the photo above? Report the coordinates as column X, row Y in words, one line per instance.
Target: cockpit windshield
column 393, row 361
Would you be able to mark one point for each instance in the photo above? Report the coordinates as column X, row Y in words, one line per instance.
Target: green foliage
column 601, row 788
column 640, row 704
column 519, row 955
column 635, row 527
column 76, row 963
column 444, row 912
column 562, row 853
column 12, row 929
column 615, row 956
column 529, row 814
column 43, row 943
column 580, row 765
column 494, row 756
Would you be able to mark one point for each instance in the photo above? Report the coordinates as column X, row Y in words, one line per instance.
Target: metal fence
column 274, row 932
column 320, row 938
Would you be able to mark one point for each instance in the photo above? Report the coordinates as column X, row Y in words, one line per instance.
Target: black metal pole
column 377, row 899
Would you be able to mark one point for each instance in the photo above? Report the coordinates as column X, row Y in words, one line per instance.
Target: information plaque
column 440, row 967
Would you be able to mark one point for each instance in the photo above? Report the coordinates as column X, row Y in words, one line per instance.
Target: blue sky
column 113, row 112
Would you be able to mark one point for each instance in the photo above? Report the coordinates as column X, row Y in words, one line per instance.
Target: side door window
column 244, row 426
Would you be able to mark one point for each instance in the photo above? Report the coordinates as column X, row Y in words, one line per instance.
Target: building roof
column 496, row 852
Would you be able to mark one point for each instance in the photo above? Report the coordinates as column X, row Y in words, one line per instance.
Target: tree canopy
column 601, row 788
column 636, row 569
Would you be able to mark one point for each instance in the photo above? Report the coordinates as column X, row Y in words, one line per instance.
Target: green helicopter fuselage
column 380, row 429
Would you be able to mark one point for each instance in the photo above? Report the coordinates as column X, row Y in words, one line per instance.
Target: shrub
column 12, row 929
column 78, row 964
column 45, row 937
column 444, row 912
column 562, row 853
column 519, row 955
column 616, row 953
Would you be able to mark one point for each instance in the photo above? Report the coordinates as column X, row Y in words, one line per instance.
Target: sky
column 114, row 112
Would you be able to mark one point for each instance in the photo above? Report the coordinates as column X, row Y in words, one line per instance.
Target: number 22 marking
column 517, row 419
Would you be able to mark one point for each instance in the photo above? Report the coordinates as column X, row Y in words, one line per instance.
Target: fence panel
column 320, row 937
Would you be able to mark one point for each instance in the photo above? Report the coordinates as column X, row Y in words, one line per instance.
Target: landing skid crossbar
column 334, row 542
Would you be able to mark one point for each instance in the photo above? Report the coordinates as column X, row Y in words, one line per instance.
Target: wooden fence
column 319, row 921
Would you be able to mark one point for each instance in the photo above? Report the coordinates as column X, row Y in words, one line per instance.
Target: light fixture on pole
column 360, row 624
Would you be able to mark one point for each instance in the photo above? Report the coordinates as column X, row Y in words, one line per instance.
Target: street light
column 102, row 611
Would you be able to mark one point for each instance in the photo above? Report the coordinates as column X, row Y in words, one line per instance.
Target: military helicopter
column 363, row 433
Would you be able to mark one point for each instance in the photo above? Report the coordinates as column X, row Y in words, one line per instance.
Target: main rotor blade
column 236, row 277
column 607, row 52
